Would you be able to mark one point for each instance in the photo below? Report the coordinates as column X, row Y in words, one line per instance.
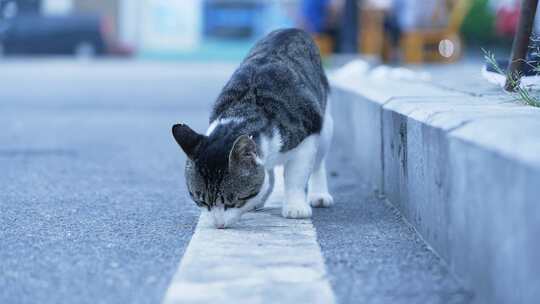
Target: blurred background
column 396, row 31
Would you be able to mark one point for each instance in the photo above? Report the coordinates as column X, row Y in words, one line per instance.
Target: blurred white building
column 161, row 25
column 144, row 25
column 56, row 7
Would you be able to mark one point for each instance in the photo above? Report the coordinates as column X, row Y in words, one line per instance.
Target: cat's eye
column 197, row 201
column 248, row 197
column 201, row 204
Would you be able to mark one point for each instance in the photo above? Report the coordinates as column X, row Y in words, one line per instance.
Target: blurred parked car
column 80, row 35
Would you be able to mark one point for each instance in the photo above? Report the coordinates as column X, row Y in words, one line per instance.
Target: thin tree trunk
column 521, row 43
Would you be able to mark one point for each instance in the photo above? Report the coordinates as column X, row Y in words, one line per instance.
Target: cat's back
column 282, row 76
column 287, row 46
column 293, row 54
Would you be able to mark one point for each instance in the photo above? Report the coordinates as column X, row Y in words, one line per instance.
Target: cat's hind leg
column 319, row 196
column 268, row 189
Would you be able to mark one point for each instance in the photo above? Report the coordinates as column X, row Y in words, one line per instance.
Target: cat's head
column 223, row 176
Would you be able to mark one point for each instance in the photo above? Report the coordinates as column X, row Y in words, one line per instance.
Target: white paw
column 296, row 211
column 318, row 200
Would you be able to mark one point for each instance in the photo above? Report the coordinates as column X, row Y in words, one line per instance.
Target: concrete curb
column 463, row 169
column 265, row 259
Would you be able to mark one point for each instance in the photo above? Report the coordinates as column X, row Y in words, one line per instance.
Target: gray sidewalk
column 92, row 206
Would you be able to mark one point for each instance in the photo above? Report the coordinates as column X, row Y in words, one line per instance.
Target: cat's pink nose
column 220, row 225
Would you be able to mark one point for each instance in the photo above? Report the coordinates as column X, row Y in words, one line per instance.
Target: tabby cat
column 273, row 111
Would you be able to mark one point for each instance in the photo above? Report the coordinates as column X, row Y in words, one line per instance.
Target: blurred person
column 315, row 15
column 392, row 27
column 420, row 14
column 506, row 16
column 332, row 19
column 411, row 15
column 345, row 12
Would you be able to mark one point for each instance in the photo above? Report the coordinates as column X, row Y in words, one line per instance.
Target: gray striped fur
column 280, row 85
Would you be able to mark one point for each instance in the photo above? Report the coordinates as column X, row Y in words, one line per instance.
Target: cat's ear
column 188, row 139
column 243, row 155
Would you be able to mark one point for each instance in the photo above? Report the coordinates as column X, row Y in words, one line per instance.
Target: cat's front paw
column 318, row 200
column 296, row 210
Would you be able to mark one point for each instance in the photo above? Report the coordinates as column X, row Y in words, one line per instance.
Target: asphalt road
column 92, row 199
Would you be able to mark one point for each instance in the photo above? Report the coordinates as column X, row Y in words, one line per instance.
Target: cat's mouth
column 222, row 218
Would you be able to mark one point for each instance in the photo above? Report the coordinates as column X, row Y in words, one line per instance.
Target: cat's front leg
column 296, row 175
column 266, row 191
